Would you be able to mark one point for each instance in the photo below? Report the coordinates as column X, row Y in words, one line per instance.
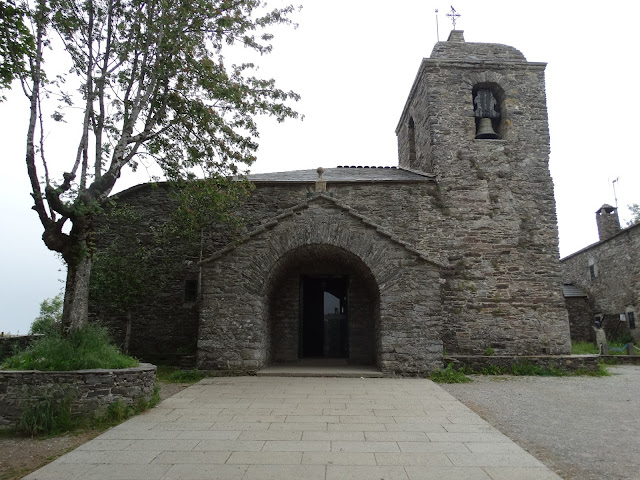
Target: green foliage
column 50, row 318
column 52, row 415
column 634, row 208
column 489, row 351
column 16, row 42
column 205, row 202
column 46, row 416
column 584, row 348
column 525, row 368
column 173, row 375
column 449, row 375
column 84, row 348
column 153, row 84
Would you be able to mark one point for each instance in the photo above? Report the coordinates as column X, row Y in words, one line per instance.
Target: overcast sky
column 353, row 62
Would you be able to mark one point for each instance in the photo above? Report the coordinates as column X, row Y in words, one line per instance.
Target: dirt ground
column 22, row 455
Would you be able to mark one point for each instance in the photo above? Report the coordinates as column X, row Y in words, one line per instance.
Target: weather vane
column 454, row 16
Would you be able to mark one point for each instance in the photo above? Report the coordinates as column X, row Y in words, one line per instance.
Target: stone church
column 452, row 251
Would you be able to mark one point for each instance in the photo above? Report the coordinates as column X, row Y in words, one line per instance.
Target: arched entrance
column 323, row 303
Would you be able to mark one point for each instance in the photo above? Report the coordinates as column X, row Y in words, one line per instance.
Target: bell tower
column 476, row 117
column 466, row 97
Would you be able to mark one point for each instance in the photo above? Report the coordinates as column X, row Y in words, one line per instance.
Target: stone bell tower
column 476, row 117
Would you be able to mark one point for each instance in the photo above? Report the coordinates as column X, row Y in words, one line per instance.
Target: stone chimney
column 456, row 36
column 608, row 222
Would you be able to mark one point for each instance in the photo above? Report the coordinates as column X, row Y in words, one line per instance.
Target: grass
column 169, row 374
column 528, row 369
column 584, row 348
column 53, row 416
column 88, row 347
column 449, row 375
column 588, row 348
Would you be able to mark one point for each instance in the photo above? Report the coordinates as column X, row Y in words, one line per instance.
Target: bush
column 449, row 375
column 88, row 347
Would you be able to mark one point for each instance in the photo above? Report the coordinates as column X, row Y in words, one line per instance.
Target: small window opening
column 592, row 269
column 631, row 319
column 412, row 142
column 190, row 290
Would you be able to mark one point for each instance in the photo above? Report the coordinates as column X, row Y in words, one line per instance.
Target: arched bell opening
column 488, row 100
column 323, row 303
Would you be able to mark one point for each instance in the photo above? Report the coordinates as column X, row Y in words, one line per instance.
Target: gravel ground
column 584, row 428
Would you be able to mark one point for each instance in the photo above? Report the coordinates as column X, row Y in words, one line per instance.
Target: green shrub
column 118, row 411
column 46, row 416
column 449, row 375
column 88, row 347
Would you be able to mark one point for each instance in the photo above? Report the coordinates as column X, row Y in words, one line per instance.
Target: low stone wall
column 562, row 362
column 89, row 392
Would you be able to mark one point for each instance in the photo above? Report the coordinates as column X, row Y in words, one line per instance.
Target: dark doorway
column 325, row 330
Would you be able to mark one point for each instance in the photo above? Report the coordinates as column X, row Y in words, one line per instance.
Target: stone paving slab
column 260, row 428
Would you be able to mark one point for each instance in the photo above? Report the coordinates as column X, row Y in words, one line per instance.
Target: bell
column 485, row 129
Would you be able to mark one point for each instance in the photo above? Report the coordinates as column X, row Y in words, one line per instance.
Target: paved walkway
column 302, row 428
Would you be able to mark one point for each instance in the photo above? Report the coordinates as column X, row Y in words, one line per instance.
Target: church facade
column 453, row 251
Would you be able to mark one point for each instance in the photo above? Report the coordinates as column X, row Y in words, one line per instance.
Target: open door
column 324, row 321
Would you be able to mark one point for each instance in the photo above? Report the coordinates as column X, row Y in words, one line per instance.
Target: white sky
column 353, row 62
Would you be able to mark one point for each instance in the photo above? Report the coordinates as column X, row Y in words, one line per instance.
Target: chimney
column 456, row 36
column 608, row 222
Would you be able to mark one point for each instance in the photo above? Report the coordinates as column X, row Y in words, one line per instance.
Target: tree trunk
column 76, row 295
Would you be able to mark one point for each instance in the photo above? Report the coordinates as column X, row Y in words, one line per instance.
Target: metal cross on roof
column 454, row 16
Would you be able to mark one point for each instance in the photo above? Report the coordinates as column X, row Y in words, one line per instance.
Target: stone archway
column 323, row 302
column 238, row 311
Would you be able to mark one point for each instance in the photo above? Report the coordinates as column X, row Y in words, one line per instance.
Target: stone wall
column 615, row 289
column 163, row 324
column 580, row 319
column 88, row 391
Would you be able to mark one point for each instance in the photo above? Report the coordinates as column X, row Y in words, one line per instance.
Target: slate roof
column 569, row 291
column 345, row 174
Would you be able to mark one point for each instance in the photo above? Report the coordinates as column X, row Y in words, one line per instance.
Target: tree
column 634, row 208
column 16, row 43
column 50, row 316
column 153, row 85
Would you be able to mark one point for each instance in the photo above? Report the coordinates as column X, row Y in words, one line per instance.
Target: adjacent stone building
column 453, row 251
column 609, row 273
